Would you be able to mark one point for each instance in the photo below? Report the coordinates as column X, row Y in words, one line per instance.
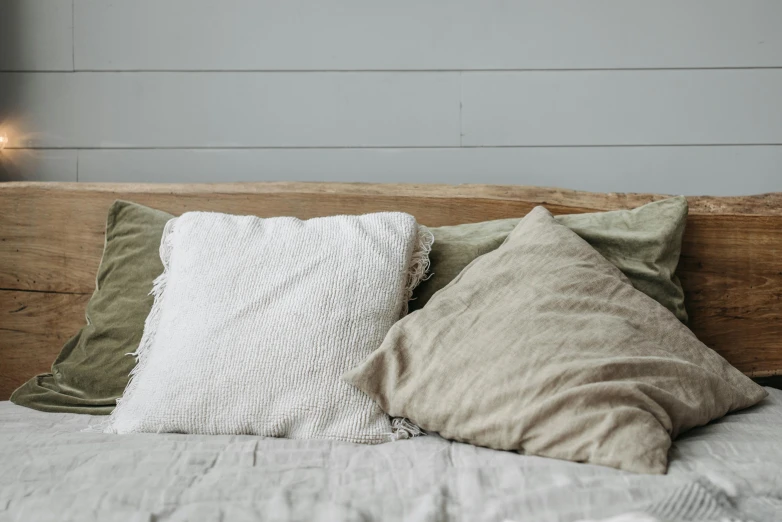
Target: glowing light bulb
column 3, row 141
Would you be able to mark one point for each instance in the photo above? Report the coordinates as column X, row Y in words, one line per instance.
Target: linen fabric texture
column 255, row 320
column 54, row 472
column 544, row 347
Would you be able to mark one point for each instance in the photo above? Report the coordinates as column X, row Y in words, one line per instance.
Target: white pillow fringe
column 419, row 264
column 401, row 427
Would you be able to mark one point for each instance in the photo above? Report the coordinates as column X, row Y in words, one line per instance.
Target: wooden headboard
column 51, row 240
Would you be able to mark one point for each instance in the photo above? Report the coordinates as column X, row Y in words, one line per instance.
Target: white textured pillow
column 255, row 321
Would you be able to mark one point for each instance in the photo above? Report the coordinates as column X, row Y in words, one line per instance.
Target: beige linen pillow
column 543, row 346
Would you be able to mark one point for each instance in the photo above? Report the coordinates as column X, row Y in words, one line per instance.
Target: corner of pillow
column 355, row 377
column 540, row 210
column 368, row 377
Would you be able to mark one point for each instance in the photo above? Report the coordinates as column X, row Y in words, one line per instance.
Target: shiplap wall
column 676, row 96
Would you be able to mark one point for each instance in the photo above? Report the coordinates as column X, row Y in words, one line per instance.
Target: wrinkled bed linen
column 52, row 470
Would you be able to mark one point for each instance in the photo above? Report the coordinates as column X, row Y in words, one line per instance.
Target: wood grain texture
column 51, row 240
column 33, row 328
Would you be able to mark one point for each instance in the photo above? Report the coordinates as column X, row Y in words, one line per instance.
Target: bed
column 56, row 468
column 54, row 471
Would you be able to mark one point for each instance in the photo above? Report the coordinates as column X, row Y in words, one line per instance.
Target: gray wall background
column 673, row 96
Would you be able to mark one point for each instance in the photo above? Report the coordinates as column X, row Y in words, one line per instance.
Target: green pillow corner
column 644, row 243
column 92, row 369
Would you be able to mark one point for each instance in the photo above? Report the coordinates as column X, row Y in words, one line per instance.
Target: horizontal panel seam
column 400, row 147
column 282, row 71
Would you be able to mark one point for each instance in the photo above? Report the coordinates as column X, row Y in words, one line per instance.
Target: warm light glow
column 3, row 141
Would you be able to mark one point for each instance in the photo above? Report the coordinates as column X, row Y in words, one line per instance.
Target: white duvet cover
column 52, row 470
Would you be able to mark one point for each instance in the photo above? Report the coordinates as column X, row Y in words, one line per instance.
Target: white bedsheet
column 51, row 470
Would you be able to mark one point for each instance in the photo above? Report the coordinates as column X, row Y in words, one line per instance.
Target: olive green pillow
column 92, row 369
column 644, row 243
